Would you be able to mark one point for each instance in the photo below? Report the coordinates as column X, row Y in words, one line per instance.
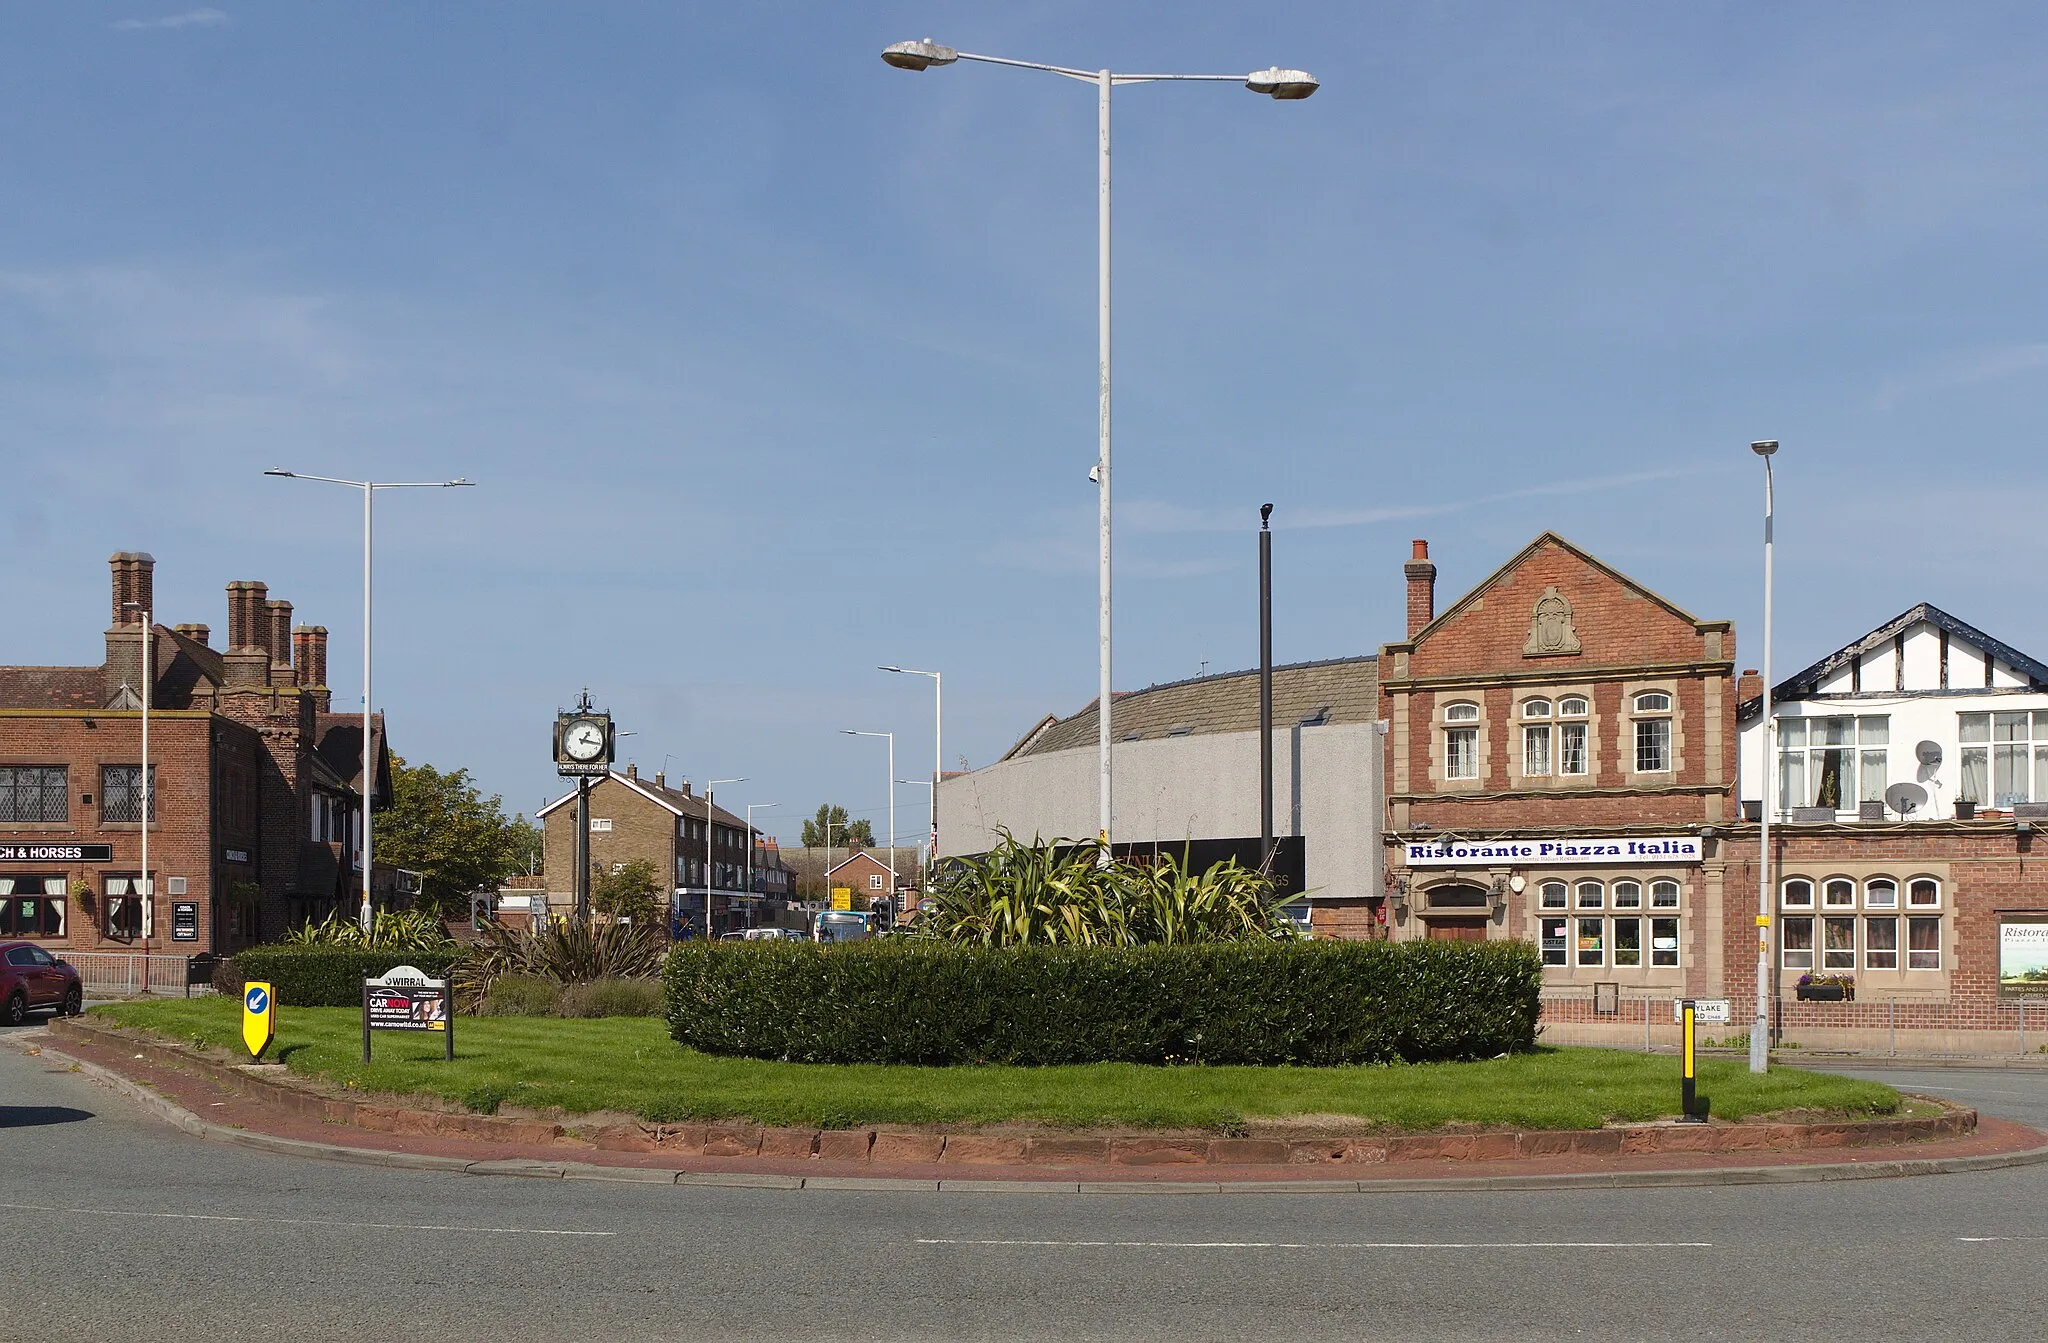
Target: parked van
column 839, row 925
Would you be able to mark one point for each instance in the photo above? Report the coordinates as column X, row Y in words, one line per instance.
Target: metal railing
column 127, row 974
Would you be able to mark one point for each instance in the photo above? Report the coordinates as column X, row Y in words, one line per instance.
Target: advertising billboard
column 2023, row 954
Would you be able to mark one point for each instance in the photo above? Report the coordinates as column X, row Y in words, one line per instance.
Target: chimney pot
column 1421, row 576
column 632, row 770
column 659, row 781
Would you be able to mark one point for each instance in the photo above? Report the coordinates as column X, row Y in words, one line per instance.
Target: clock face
column 583, row 740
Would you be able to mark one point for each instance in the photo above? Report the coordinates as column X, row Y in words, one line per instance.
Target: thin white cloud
column 191, row 18
column 1970, row 369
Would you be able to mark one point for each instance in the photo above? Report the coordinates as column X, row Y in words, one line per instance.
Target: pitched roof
column 674, row 800
column 338, row 742
column 1480, row 589
column 1806, row 682
column 1335, row 690
column 50, row 688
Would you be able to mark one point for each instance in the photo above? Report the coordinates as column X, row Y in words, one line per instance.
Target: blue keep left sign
column 257, row 1000
column 259, row 1018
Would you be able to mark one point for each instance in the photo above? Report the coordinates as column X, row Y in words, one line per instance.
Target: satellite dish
column 1928, row 752
column 1907, row 798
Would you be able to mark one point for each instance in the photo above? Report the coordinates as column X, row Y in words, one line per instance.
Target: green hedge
column 324, row 976
column 930, row 1002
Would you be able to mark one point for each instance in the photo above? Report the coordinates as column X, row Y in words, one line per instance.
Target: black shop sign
column 56, row 853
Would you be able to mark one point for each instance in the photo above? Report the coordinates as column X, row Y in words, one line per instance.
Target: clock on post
column 583, row 740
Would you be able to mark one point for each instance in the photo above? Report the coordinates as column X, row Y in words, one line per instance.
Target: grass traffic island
column 614, row 1066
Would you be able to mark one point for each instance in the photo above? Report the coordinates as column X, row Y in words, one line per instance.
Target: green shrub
column 521, row 996
column 611, row 998
column 327, row 976
column 390, row 930
column 925, row 1001
column 568, row 951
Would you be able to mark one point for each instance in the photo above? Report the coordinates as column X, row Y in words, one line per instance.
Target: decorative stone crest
column 1550, row 628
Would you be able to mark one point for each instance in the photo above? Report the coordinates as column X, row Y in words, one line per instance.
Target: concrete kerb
column 169, row 1112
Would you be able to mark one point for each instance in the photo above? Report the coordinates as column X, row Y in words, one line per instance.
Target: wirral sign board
column 56, row 853
column 404, row 999
column 1563, row 851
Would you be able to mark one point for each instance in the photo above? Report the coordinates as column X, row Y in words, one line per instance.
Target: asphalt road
column 114, row 1227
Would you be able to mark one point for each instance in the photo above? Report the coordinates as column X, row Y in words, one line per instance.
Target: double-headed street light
column 1760, row 1030
column 369, row 489
column 1284, row 85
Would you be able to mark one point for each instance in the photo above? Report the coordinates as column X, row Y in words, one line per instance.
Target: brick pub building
column 257, row 787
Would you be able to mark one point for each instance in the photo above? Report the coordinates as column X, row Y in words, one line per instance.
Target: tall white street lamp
column 892, row 804
column 1284, row 85
column 369, row 489
column 1760, row 1031
column 753, row 807
column 147, row 888
column 709, row 784
column 938, row 741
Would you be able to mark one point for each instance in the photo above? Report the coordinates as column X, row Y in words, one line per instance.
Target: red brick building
column 1561, row 752
column 257, row 788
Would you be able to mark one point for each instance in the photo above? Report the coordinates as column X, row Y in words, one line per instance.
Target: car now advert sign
column 404, row 999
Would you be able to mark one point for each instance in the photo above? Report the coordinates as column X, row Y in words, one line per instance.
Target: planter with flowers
column 1827, row 989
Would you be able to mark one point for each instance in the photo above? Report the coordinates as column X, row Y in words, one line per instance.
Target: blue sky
column 773, row 363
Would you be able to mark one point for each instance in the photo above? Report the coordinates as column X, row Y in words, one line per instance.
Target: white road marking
column 299, row 1221
column 1342, row 1245
column 1983, row 1240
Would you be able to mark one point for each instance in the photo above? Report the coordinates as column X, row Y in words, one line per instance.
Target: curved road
column 115, row 1227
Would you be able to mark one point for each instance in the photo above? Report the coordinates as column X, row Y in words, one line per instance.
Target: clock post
column 584, row 745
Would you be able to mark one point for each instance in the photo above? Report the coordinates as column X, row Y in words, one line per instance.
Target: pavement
column 120, row 1227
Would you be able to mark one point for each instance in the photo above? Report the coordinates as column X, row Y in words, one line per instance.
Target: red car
column 31, row 977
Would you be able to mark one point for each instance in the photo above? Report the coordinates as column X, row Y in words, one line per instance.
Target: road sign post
column 1686, row 1103
column 259, row 1018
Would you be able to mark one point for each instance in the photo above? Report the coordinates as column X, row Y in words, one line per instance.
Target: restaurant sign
column 1562, row 851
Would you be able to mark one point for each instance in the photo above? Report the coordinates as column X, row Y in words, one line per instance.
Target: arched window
column 1798, row 893
column 1461, row 741
column 1880, row 893
column 1653, row 732
column 1664, row 894
column 1553, row 895
column 1536, row 760
column 1923, row 893
column 1589, row 894
column 1838, row 893
column 1571, row 737
column 1628, row 895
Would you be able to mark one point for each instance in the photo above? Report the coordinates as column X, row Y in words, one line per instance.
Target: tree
column 631, row 892
column 441, row 826
column 841, row 830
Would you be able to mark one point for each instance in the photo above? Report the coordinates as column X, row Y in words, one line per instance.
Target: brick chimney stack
column 248, row 650
column 134, row 581
column 198, row 634
column 1748, row 686
column 1421, row 589
column 278, row 639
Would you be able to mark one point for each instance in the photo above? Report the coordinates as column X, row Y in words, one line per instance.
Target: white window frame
column 1871, row 952
column 1789, row 956
column 1835, row 959
column 1628, row 893
column 1864, row 748
column 1461, row 740
column 1913, row 891
column 1654, row 722
column 1785, row 900
column 1586, row 887
column 1988, row 746
column 1673, row 956
column 1562, row 891
column 1881, row 895
column 1661, row 888
column 1598, row 951
column 1573, row 736
column 1834, row 887
column 1536, row 738
column 1554, row 937
column 1616, row 950
column 1924, row 960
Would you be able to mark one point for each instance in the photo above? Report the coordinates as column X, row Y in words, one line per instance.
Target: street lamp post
column 369, row 489
column 892, row 804
column 1284, row 85
column 1760, row 1031
column 938, row 743
column 709, row 784
column 147, row 891
column 753, row 807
